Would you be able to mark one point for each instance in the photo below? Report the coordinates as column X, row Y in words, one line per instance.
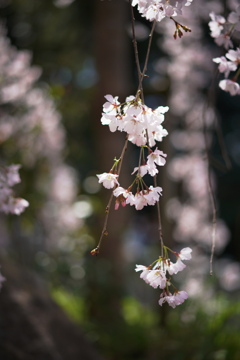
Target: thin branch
column 104, row 230
column 147, row 55
column 159, row 220
column 134, row 40
column 141, row 74
column 122, row 156
column 227, row 162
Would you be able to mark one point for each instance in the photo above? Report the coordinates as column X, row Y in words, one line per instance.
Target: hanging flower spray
column 144, row 128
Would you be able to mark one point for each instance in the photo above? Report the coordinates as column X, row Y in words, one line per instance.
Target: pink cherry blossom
column 180, row 297
column 224, row 40
column 15, row 206
column 140, row 201
column 13, row 175
column 234, row 18
column 225, row 66
column 173, row 300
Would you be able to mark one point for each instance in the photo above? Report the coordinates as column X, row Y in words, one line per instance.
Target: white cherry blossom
column 159, row 9
column 140, row 122
column 216, row 24
column 157, row 278
column 174, row 268
column 230, row 86
column 185, row 253
column 145, row 272
column 108, row 180
column 234, row 56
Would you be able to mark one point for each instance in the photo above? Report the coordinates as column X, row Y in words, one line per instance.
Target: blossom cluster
column 141, row 123
column 143, row 127
column 9, row 176
column 157, row 276
column 159, row 9
column 221, row 30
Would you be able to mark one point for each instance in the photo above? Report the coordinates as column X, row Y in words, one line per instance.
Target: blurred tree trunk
column 32, row 326
column 112, row 62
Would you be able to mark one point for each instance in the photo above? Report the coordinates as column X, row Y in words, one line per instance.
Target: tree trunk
column 32, row 326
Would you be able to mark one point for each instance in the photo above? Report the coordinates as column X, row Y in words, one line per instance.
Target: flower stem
column 104, row 230
column 159, row 220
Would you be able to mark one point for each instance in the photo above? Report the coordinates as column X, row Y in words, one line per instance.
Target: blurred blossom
column 31, row 131
column 232, row 4
column 182, row 141
column 63, row 3
column 91, row 185
column 83, row 208
column 190, row 74
column 64, row 183
column 228, row 273
column 195, row 287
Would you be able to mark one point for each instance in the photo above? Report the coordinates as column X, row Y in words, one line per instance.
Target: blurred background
column 58, row 59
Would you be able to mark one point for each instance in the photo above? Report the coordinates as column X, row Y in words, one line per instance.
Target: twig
column 159, row 220
column 104, row 230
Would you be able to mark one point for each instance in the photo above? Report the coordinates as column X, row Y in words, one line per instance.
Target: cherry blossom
column 142, row 198
column 173, row 300
column 216, row 24
column 145, row 271
column 157, row 157
column 9, row 204
column 174, row 268
column 185, row 254
column 221, row 31
column 225, row 66
column 159, row 9
column 141, row 123
column 234, row 56
column 156, row 275
column 123, row 197
column 224, row 40
column 157, row 278
column 234, row 18
column 15, row 206
column 230, row 86
column 108, row 180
